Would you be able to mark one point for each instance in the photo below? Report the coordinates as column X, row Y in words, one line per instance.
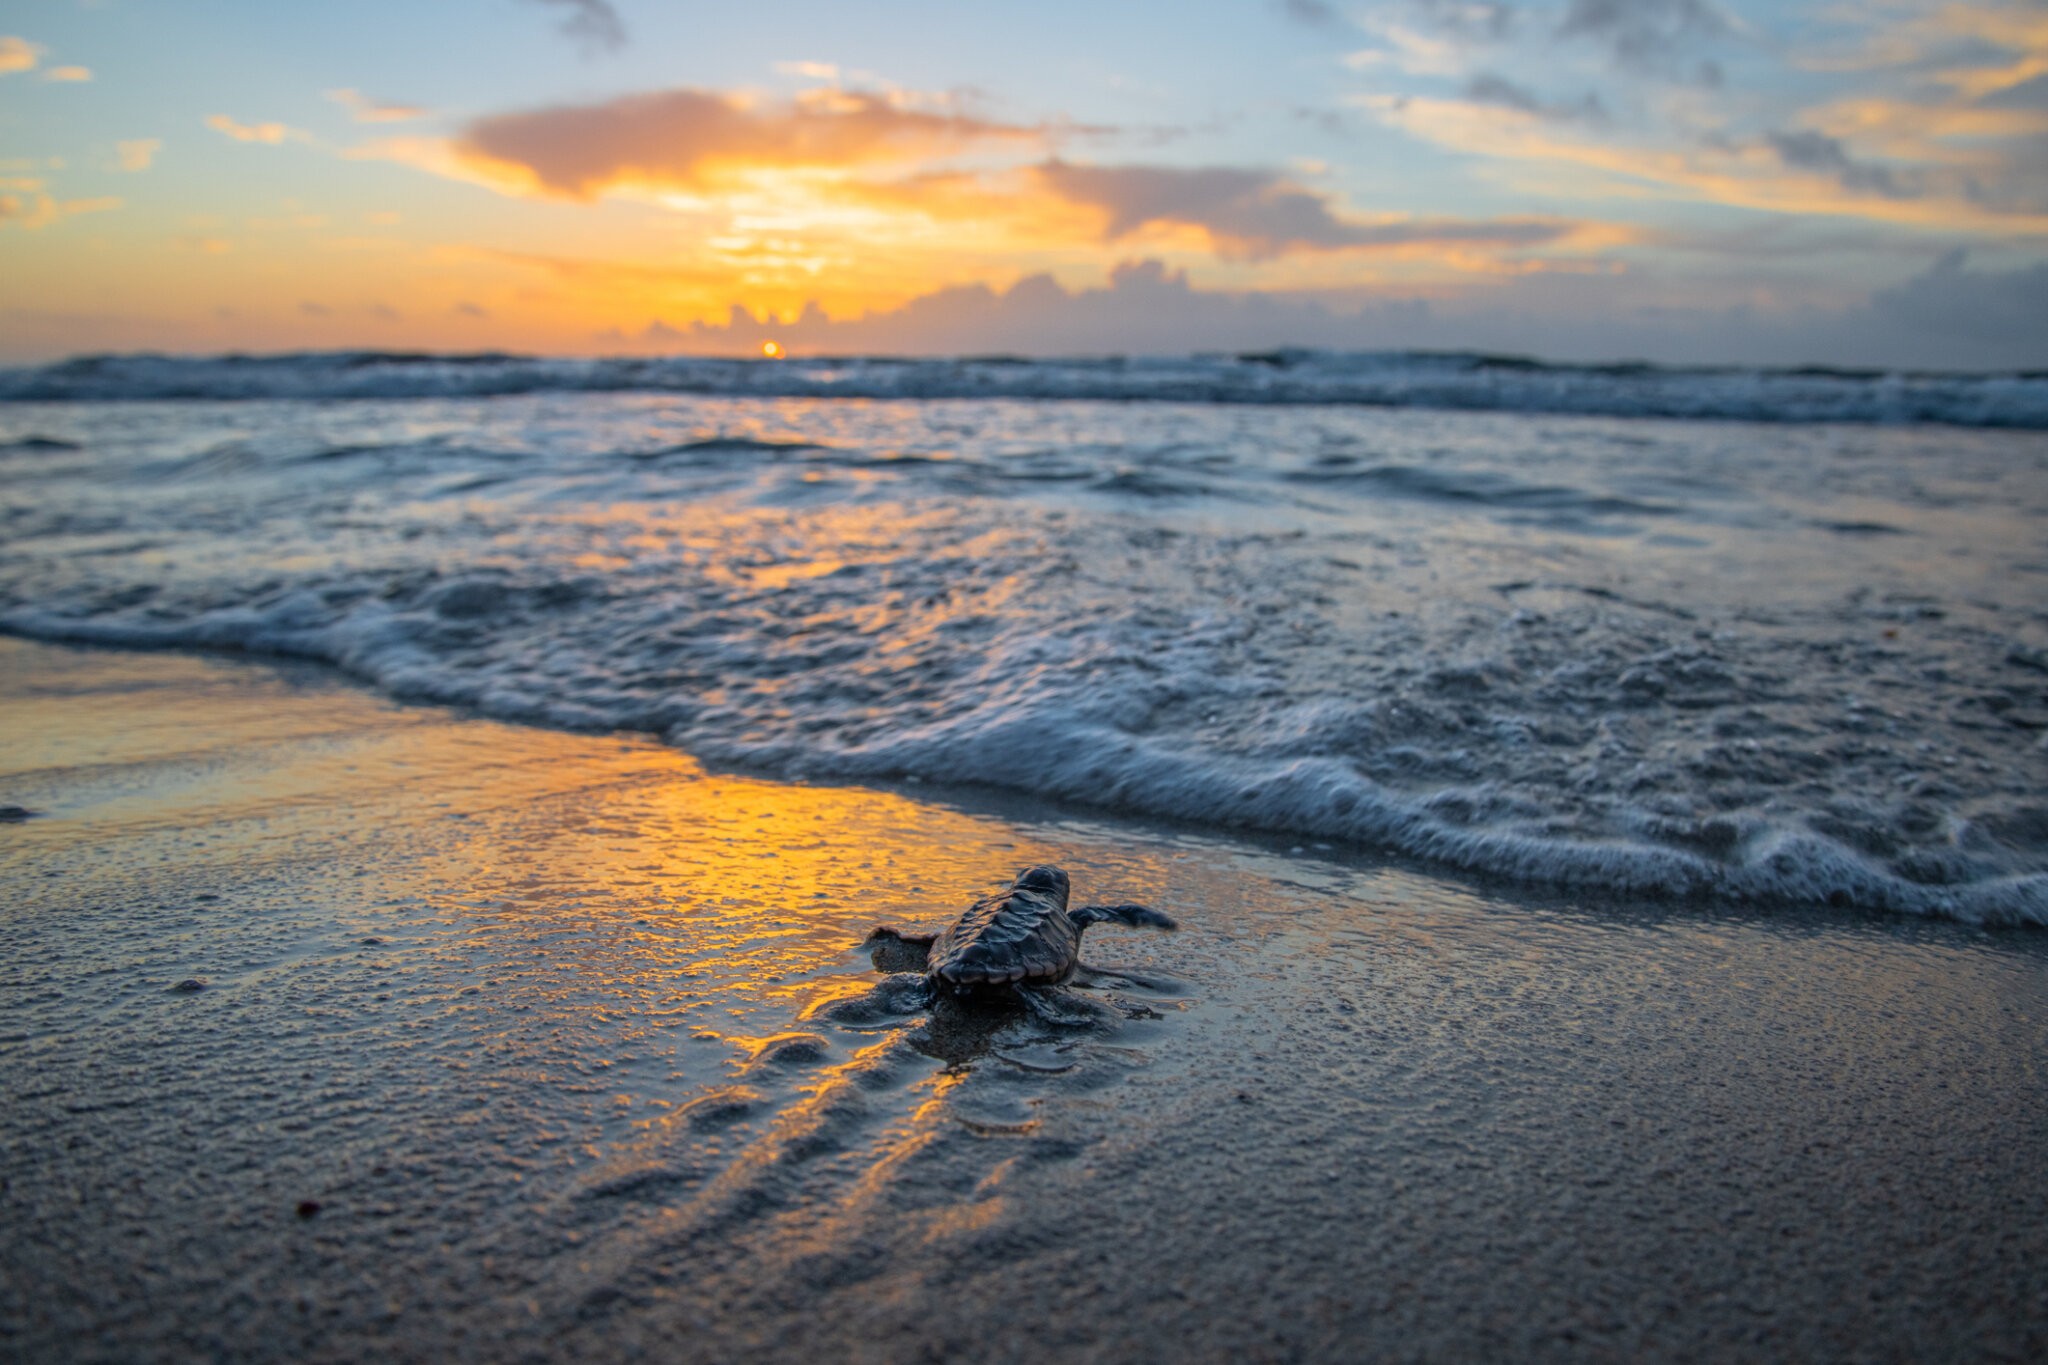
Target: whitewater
column 1742, row 636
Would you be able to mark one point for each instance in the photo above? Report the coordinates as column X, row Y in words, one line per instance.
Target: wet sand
column 516, row 1045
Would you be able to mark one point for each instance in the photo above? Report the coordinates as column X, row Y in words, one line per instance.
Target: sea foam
column 1772, row 663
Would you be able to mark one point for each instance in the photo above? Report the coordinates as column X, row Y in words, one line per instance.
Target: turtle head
column 1042, row 878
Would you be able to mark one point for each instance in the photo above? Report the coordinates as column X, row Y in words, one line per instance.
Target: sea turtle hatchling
column 1022, row 936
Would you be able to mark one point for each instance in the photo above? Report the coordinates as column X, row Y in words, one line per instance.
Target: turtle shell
column 1021, row 934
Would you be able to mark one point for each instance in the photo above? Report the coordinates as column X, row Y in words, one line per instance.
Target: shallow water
column 545, row 1027
column 1786, row 663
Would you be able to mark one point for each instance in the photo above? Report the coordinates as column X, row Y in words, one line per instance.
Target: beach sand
column 515, row 1044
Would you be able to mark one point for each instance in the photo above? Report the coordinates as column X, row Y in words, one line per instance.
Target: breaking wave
column 1455, row 381
column 1677, row 659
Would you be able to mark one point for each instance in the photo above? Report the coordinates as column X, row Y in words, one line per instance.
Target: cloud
column 1972, row 48
column 25, row 204
column 1313, row 13
column 1960, row 93
column 1474, row 21
column 76, row 75
column 690, row 139
column 1256, row 214
column 269, row 133
column 594, row 24
column 880, row 192
column 1649, row 35
column 1486, row 87
column 365, row 110
column 1435, row 37
column 18, row 54
column 314, row 310
column 1812, row 151
column 1951, row 301
column 1967, row 134
column 139, row 153
column 1793, row 174
column 1409, row 51
column 1147, row 308
column 1938, row 118
column 2031, row 93
column 1993, row 159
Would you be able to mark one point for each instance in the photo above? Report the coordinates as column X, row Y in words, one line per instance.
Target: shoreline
column 1399, row 832
column 583, row 1095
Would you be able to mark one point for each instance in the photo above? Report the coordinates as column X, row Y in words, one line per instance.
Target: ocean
column 1769, row 637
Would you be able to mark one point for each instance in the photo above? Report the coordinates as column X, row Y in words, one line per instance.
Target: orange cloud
column 815, row 71
column 694, row 140
column 18, row 54
column 1988, row 84
column 269, row 133
column 868, row 199
column 1755, row 175
column 363, row 109
column 139, row 153
column 1978, row 50
column 30, row 206
column 835, row 180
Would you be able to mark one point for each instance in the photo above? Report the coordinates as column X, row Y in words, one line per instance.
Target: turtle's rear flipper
column 1136, row 916
column 895, row 951
column 1063, row 1008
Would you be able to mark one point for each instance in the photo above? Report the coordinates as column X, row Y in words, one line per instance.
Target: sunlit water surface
column 1777, row 663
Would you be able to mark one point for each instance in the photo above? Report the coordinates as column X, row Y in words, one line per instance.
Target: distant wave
column 1458, row 381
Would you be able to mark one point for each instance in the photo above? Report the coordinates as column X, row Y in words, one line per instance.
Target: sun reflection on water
column 645, row 959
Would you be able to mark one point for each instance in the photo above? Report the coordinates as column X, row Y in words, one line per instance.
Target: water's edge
column 1293, row 802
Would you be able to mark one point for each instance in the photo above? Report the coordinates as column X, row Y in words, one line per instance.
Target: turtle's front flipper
column 1136, row 916
column 896, row 951
column 893, row 999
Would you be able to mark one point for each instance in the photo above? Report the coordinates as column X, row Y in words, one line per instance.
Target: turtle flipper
column 896, row 951
column 1136, row 916
column 1064, row 1008
column 892, row 999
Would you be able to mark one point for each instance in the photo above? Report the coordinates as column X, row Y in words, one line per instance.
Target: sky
column 1692, row 181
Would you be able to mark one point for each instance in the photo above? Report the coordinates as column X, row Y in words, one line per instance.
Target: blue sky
column 1852, row 183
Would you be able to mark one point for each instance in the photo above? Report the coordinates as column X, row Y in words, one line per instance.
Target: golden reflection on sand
column 600, row 920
